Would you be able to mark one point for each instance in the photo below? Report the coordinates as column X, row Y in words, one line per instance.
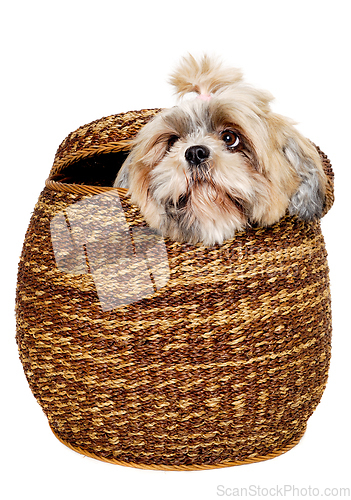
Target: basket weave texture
column 222, row 364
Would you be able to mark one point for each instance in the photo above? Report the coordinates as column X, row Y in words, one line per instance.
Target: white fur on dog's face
column 203, row 170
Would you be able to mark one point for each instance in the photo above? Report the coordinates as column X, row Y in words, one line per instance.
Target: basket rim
column 83, row 189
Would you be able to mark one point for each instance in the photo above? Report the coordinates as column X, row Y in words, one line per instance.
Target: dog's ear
column 307, row 202
column 147, row 149
column 122, row 180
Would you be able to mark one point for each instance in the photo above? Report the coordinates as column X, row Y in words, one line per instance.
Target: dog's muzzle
column 195, row 155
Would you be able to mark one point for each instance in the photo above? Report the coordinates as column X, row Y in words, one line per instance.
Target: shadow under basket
column 154, row 354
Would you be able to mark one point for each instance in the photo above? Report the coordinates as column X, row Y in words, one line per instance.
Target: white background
column 64, row 64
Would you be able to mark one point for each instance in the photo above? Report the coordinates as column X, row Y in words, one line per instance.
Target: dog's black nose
column 197, row 154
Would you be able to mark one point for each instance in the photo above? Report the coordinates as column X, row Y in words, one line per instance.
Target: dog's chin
column 203, row 214
column 186, row 225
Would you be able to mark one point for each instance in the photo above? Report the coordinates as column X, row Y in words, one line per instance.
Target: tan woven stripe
column 174, row 369
column 243, row 317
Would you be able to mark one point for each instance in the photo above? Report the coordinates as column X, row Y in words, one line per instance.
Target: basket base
column 191, row 467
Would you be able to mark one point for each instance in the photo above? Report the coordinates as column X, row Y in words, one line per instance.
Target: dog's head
column 207, row 168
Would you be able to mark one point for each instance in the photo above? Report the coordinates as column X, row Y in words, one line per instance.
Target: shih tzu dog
column 221, row 161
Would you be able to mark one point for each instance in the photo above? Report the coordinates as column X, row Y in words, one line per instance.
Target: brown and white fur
column 220, row 162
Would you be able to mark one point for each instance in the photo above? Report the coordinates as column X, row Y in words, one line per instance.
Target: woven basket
column 155, row 354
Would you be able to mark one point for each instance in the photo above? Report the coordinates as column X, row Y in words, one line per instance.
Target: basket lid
column 87, row 161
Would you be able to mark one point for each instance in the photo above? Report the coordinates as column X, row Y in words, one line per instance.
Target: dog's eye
column 171, row 141
column 230, row 138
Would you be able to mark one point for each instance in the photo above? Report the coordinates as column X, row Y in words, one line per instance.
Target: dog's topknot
column 206, row 76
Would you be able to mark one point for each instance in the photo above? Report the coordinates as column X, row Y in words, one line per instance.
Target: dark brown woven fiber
column 222, row 364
